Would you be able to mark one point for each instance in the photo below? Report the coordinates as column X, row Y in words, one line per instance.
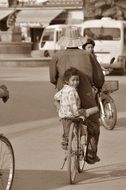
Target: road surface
column 36, row 137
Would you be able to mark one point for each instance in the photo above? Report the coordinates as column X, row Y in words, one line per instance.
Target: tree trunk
column 12, row 2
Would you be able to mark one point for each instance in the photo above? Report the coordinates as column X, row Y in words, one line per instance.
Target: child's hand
column 83, row 112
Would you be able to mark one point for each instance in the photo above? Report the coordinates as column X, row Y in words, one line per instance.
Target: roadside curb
column 24, row 62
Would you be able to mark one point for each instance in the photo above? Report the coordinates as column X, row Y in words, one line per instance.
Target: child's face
column 74, row 81
column 89, row 48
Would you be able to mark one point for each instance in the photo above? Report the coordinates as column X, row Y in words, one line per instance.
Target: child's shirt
column 69, row 102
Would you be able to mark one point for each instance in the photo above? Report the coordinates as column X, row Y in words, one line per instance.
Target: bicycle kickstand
column 64, row 162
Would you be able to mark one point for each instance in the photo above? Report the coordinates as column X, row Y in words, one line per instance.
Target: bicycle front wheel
column 110, row 117
column 72, row 154
column 7, row 163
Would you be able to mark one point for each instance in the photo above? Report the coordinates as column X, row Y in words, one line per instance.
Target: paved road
column 36, row 139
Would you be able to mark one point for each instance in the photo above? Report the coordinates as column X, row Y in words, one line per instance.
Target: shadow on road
column 103, row 173
column 50, row 179
column 38, row 180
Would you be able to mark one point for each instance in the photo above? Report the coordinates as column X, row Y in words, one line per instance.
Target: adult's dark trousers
column 93, row 128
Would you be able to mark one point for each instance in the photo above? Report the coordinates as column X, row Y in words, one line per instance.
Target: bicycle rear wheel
column 7, row 164
column 72, row 154
column 82, row 147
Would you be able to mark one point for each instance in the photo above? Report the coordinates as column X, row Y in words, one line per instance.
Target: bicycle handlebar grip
column 91, row 111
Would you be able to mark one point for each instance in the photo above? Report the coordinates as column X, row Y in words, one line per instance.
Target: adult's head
column 89, row 45
column 71, row 38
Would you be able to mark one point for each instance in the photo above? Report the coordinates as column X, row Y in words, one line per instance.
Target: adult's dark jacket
column 90, row 73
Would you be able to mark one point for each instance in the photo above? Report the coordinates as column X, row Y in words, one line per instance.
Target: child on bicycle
column 67, row 102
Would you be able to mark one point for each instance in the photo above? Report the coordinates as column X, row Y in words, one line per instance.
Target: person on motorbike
column 89, row 47
column 90, row 74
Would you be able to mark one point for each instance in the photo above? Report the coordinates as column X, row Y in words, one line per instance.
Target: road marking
column 24, row 74
column 43, row 124
column 37, row 74
column 29, row 125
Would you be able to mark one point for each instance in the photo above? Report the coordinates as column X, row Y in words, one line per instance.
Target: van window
column 48, row 35
column 103, row 33
column 59, row 34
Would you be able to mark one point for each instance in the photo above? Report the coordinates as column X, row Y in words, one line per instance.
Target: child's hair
column 69, row 73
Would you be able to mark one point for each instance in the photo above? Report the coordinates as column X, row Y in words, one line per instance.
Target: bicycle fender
column 105, row 96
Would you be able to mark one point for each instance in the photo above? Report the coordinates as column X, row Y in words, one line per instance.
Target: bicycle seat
column 77, row 119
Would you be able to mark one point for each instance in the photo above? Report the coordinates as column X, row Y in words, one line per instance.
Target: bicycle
column 7, row 163
column 77, row 146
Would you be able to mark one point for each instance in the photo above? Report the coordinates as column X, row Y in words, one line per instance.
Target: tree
column 12, row 2
column 104, row 8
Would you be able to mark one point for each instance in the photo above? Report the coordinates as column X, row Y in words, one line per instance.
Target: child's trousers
column 66, row 127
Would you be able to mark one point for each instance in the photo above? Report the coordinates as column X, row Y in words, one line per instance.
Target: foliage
column 105, row 8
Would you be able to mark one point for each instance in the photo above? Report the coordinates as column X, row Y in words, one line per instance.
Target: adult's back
column 90, row 72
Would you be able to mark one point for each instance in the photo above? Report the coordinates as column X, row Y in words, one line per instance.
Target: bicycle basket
column 110, row 86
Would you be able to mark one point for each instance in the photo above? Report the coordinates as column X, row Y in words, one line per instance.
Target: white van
column 110, row 41
column 50, row 36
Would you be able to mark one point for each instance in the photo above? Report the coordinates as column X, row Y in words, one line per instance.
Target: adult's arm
column 98, row 76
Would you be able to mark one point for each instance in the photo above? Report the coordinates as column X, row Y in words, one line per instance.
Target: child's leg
column 66, row 127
